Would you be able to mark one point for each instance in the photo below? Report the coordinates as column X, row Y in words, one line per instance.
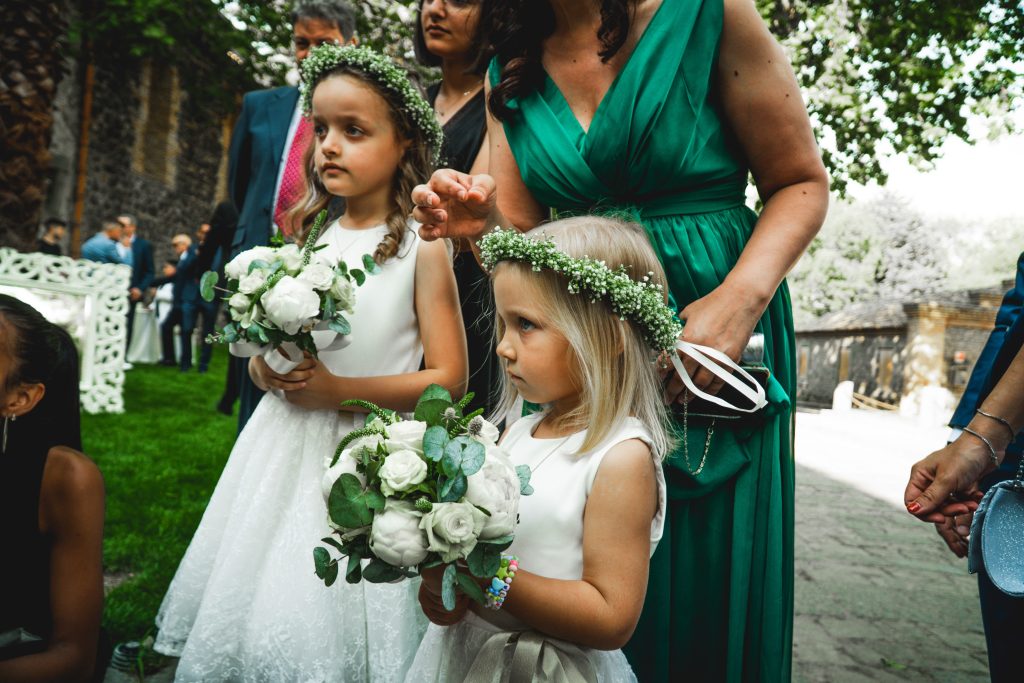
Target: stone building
column 915, row 355
column 151, row 149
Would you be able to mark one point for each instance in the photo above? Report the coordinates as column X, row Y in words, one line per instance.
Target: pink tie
column 293, row 181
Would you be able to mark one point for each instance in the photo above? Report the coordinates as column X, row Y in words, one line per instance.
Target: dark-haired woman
column 661, row 108
column 447, row 36
column 51, row 507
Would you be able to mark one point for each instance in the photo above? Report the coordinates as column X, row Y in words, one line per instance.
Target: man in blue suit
column 1002, row 615
column 102, row 247
column 143, row 271
column 270, row 135
column 184, row 306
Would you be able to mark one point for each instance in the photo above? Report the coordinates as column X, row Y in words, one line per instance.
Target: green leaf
column 329, row 307
column 436, row 391
column 358, row 275
column 349, row 438
column 379, row 571
column 321, row 558
column 371, row 266
column 331, row 575
column 470, row 587
column 473, row 457
column 503, row 541
column 340, row 324
column 354, row 571
column 448, row 587
column 451, row 490
column 258, row 263
column 524, row 479
column 207, row 284
column 432, row 403
column 348, row 505
column 451, row 462
column 465, row 401
column 434, row 441
column 335, row 543
column 484, row 561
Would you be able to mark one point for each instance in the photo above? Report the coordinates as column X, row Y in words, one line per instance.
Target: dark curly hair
column 515, row 30
column 40, row 353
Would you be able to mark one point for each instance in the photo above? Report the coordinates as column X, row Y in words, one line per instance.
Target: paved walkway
column 879, row 597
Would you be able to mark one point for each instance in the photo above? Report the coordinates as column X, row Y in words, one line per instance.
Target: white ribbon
column 707, row 357
column 324, row 338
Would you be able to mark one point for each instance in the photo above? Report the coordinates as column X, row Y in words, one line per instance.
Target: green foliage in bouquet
column 451, row 449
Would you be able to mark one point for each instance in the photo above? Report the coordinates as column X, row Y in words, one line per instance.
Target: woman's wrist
column 987, row 439
column 755, row 293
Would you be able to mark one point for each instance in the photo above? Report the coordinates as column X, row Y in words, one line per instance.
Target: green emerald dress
column 719, row 603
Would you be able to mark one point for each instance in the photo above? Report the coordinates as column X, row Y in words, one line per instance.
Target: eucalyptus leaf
column 340, row 324
column 331, row 575
column 484, row 561
column 258, row 263
column 347, row 504
column 329, row 307
column 473, row 457
column 451, row 462
column 379, row 571
column 207, row 284
column 500, row 540
column 354, row 571
column 470, row 587
column 448, row 587
column 431, row 410
column 451, row 490
column 321, row 558
column 358, row 275
column 524, row 479
column 434, row 441
column 333, row 542
column 371, row 266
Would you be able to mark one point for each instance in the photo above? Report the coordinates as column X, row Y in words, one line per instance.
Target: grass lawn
column 160, row 460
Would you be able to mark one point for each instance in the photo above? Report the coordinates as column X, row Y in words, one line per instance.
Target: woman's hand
column 945, row 483
column 956, row 531
column 430, row 599
column 723, row 320
column 453, row 204
column 266, row 379
column 319, row 390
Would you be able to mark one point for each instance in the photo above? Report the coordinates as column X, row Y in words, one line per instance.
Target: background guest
column 51, row 509
column 207, row 310
column 102, row 247
column 163, row 294
column 53, row 237
column 265, row 173
column 143, row 271
column 447, row 37
column 184, row 305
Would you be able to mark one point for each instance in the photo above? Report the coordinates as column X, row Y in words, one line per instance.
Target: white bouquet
column 413, row 494
column 286, row 300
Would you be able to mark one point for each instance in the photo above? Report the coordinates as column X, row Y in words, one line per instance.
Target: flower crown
column 383, row 71
column 641, row 302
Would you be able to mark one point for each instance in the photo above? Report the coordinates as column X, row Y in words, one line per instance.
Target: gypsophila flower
column 324, row 58
column 642, row 302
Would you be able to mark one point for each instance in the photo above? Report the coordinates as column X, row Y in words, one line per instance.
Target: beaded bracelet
column 1000, row 420
column 495, row 593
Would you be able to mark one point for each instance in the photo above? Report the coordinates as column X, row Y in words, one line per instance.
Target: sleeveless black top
column 25, row 570
column 463, row 135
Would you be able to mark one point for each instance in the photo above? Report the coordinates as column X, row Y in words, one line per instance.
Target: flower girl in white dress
column 573, row 583
column 245, row 604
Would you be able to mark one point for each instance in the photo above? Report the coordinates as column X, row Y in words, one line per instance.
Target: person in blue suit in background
column 1002, row 614
column 143, row 270
column 184, row 307
column 265, row 176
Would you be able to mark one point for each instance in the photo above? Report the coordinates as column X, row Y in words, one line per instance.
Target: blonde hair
column 415, row 166
column 614, row 366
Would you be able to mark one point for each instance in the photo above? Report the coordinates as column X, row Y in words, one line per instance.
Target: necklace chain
column 561, row 442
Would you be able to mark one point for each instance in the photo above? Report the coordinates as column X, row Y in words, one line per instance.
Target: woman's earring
column 7, row 420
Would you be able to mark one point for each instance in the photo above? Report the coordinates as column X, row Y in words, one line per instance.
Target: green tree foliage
column 883, row 76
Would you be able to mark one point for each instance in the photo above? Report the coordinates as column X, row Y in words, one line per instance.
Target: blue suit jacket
column 142, row 264
column 257, row 146
column 1000, row 349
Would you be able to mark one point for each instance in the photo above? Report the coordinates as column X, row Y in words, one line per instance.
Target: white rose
column 452, row 529
column 291, row 256
column 483, row 431
column 238, row 267
column 250, row 283
column 401, row 471
column 396, row 537
column 290, row 305
column 318, row 275
column 495, row 488
column 406, row 435
column 344, row 293
column 239, row 303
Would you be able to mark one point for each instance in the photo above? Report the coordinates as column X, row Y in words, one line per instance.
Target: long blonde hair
column 614, row 366
column 415, row 166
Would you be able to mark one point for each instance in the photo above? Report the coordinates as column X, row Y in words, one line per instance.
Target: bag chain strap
column 686, row 437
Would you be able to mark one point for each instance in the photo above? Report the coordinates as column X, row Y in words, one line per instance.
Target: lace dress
column 245, row 604
column 549, row 542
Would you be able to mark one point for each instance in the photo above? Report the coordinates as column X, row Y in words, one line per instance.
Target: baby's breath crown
column 642, row 302
column 381, row 69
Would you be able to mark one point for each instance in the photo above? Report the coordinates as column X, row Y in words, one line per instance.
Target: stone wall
column 873, row 361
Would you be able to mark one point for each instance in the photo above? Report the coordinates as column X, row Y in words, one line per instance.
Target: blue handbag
column 997, row 536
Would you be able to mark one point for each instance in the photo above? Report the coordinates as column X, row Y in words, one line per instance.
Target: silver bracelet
column 991, row 448
column 1000, row 420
